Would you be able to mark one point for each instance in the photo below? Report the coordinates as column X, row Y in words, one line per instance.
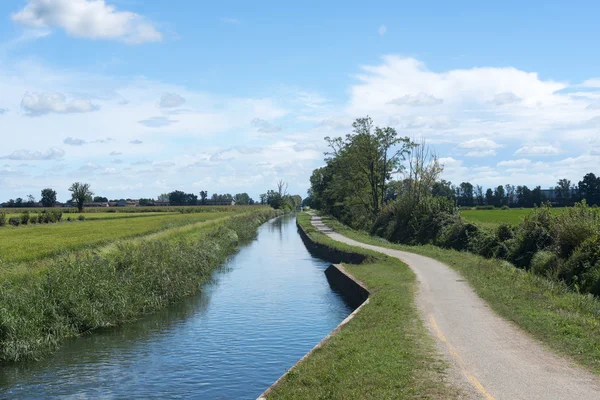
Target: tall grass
column 79, row 294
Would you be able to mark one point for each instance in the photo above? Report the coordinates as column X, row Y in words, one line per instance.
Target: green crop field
column 33, row 242
column 493, row 218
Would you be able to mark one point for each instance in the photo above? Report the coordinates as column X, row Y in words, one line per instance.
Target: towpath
column 490, row 357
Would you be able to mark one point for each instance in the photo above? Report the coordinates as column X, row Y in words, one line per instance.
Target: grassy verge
column 384, row 352
column 493, row 218
column 567, row 322
column 33, row 242
column 76, row 294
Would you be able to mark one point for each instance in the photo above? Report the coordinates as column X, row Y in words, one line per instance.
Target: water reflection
column 267, row 308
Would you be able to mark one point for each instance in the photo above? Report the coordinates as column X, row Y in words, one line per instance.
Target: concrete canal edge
column 352, row 289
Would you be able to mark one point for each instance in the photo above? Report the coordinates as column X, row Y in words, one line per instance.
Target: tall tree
column 589, row 189
column 499, row 195
column 479, row 195
column 466, row 194
column 563, row 191
column 48, row 197
column 203, row 196
column 489, row 197
column 80, row 193
column 510, row 194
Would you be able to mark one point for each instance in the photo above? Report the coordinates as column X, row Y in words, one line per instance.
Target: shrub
column 505, row 207
column 81, row 218
column 545, row 263
column 14, row 221
column 68, row 219
column 485, row 208
column 414, row 221
column 25, row 218
column 457, row 234
column 532, row 236
column 33, row 219
column 582, row 268
column 2, row 219
column 573, row 226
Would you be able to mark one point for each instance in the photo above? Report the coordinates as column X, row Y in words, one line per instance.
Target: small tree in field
column 80, row 193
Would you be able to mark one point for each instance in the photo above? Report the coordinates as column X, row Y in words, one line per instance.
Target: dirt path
column 490, row 357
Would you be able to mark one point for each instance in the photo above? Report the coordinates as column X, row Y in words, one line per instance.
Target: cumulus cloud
column 53, row 153
column 136, row 141
column 80, row 142
column 92, row 19
column 264, row 126
column 505, row 98
column 420, row 99
column 481, row 143
column 522, row 162
column 74, row 142
column 547, row 150
column 481, row 153
column 36, row 104
column 157, row 122
column 115, row 153
column 382, row 30
column 592, row 83
column 171, row 100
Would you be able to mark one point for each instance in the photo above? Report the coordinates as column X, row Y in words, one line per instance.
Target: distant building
column 95, row 204
column 210, row 202
column 161, row 202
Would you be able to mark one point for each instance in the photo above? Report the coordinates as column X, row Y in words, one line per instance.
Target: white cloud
column 420, row 99
column 592, row 83
column 36, row 104
column 264, row 126
column 481, row 153
column 522, row 162
column 171, row 100
column 53, row 153
column 115, row 153
column 481, row 143
column 382, row 30
column 136, row 141
column 157, row 122
column 92, row 19
column 74, row 142
column 547, row 150
column 505, row 98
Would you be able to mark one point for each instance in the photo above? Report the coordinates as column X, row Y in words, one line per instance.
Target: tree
column 80, row 193
column 443, row 188
column 100, row 199
column 537, row 196
column 363, row 163
column 146, row 202
column 177, row 198
column 19, row 202
column 48, row 197
column 589, row 189
column 489, row 197
column 510, row 194
column 263, row 198
column 163, row 197
column 30, row 200
column 563, row 192
column 479, row 195
column 242, row 199
column 499, row 196
column 203, row 196
column 466, row 194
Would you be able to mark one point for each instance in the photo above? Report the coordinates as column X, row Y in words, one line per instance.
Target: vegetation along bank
column 91, row 289
column 383, row 352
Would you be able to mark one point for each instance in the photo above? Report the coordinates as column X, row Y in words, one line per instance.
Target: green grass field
column 33, row 242
column 100, row 215
column 493, row 218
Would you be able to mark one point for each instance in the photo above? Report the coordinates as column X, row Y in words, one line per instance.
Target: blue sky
column 143, row 97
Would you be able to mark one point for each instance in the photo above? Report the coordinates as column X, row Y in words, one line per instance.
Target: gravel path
column 490, row 357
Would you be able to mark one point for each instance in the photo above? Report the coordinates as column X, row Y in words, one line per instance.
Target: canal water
column 267, row 307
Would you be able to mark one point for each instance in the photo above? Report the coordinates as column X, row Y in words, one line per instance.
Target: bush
column 573, row 226
column 582, row 268
column 457, row 234
column 533, row 235
column 414, row 221
column 25, row 218
column 2, row 219
column 505, row 207
column 68, row 219
column 545, row 263
column 14, row 221
column 81, row 218
column 485, row 208
column 33, row 219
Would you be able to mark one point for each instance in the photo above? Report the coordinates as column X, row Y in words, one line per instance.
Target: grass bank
column 77, row 294
column 384, row 352
column 566, row 321
column 493, row 218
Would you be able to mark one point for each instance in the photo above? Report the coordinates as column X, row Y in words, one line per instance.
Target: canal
column 266, row 308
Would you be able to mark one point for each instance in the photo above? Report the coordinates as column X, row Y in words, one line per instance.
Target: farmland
column 493, row 218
